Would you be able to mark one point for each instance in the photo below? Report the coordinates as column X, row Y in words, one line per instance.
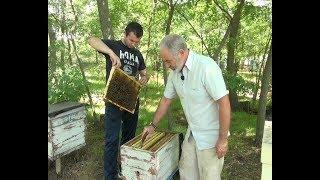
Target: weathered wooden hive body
column 66, row 128
column 157, row 159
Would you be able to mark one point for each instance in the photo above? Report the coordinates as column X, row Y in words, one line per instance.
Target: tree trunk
column 52, row 48
column 263, row 97
column 80, row 63
column 225, row 37
column 226, row 13
column 104, row 17
column 222, row 43
column 69, row 51
column 168, row 24
column 170, row 17
column 84, row 78
column 231, row 46
column 97, row 59
column 165, row 76
column 65, row 35
column 63, row 27
column 257, row 85
column 150, row 27
column 62, row 58
column 157, row 78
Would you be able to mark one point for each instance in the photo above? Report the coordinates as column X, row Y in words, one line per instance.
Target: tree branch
column 164, row 2
column 74, row 26
column 195, row 31
column 150, row 25
column 57, row 19
column 222, row 42
column 175, row 3
column 228, row 16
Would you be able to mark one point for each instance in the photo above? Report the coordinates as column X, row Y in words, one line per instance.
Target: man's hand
column 149, row 130
column 115, row 60
column 144, row 79
column 221, row 147
column 100, row 46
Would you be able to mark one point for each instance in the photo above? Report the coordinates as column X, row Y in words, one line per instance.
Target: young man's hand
column 144, row 79
column 115, row 60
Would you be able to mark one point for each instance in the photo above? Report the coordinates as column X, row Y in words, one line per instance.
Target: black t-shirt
column 131, row 59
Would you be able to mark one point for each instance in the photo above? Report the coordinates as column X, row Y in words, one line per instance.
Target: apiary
column 66, row 129
column 157, row 158
column 122, row 90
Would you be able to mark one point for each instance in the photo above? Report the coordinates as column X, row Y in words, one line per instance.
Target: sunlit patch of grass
column 243, row 158
column 250, row 131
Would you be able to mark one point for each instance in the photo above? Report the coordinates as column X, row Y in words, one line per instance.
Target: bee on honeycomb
column 122, row 90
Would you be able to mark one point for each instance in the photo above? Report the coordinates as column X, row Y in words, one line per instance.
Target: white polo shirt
column 198, row 92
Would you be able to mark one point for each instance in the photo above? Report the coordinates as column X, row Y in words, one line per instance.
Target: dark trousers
column 114, row 121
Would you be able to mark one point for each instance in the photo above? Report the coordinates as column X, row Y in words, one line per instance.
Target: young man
column 123, row 54
column 198, row 82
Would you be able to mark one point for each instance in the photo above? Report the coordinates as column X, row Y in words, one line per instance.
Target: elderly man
column 199, row 83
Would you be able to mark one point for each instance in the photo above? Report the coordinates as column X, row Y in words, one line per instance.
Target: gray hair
column 174, row 43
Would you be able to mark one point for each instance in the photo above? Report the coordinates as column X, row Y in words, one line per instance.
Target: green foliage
column 237, row 83
column 254, row 32
column 208, row 20
column 68, row 87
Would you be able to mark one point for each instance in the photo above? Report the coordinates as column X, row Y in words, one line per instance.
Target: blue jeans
column 114, row 121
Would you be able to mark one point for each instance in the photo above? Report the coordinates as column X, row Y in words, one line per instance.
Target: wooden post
column 58, row 166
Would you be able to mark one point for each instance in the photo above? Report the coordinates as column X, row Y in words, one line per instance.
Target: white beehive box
column 266, row 152
column 66, row 128
column 148, row 165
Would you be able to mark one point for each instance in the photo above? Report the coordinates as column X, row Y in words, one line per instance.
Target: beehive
column 66, row 128
column 122, row 90
column 158, row 160
column 266, row 152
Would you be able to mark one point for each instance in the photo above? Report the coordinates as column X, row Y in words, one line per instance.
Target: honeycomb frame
column 122, row 90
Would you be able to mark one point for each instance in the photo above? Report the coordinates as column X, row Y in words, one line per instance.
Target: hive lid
column 58, row 108
column 267, row 133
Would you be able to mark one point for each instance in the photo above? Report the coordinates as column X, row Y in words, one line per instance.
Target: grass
column 248, row 76
column 242, row 161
